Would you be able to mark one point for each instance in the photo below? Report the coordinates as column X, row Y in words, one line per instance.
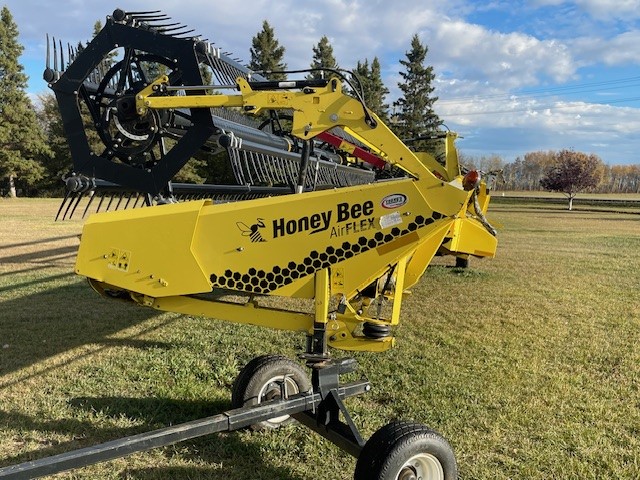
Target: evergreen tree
column 21, row 138
column 267, row 54
column 373, row 88
column 415, row 115
column 322, row 58
column 58, row 162
column 110, row 59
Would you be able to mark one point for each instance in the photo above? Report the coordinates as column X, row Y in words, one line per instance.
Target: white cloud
column 600, row 9
column 618, row 50
column 511, row 60
column 611, row 8
column 475, row 64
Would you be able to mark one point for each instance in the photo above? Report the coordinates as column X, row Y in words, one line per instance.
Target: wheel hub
column 423, row 466
column 408, row 473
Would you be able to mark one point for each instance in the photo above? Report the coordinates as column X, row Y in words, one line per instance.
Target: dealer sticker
column 394, row 200
column 390, row 220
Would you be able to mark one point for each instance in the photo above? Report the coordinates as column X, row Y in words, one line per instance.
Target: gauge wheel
column 262, row 380
column 406, row 451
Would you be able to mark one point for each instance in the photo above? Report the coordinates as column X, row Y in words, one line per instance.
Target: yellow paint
column 322, row 246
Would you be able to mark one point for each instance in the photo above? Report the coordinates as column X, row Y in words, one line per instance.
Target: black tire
column 260, row 380
column 462, row 262
column 406, row 451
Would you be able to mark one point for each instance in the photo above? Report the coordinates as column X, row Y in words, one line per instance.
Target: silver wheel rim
column 422, row 466
column 271, row 390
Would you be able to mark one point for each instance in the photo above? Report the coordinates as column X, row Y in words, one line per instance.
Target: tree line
column 34, row 154
column 528, row 171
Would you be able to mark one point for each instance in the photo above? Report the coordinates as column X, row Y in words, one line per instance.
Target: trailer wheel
column 261, row 379
column 406, row 451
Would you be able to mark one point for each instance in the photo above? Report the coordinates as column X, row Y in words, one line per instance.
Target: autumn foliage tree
column 572, row 172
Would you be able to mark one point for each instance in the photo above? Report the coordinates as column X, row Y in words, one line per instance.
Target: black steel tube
column 227, row 421
column 285, row 84
column 304, row 163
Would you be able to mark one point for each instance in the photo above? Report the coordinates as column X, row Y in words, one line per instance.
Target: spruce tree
column 415, row 115
column 322, row 58
column 58, row 162
column 21, row 138
column 267, row 54
column 373, row 88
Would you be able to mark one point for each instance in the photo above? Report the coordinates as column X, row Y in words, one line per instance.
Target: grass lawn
column 528, row 363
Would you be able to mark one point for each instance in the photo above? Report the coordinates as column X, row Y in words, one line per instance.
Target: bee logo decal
column 253, row 232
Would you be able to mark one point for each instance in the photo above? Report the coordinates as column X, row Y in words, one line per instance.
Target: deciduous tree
column 572, row 172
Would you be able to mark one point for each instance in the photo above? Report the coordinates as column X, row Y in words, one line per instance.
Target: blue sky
column 512, row 76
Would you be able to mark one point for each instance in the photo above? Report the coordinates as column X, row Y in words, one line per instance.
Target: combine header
column 328, row 206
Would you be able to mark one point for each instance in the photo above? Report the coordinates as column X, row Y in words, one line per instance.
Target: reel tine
column 64, row 200
column 176, row 33
column 148, row 12
column 119, row 201
column 55, row 55
column 48, row 55
column 100, row 202
column 110, row 201
column 91, row 197
column 164, row 25
column 61, row 55
column 72, row 198
column 73, row 210
column 126, row 205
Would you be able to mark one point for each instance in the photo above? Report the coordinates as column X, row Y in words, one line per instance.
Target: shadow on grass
column 223, row 454
column 43, row 256
column 51, row 321
column 35, row 282
column 38, row 242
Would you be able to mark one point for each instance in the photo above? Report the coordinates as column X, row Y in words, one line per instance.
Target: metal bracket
column 325, row 419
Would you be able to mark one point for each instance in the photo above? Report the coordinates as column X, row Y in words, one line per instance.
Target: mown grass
column 528, row 363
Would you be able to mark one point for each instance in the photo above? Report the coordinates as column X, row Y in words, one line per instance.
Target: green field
column 528, row 363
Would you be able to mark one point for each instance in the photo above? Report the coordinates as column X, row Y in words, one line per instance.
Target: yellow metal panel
column 424, row 253
column 472, row 238
column 239, row 313
column 144, row 250
column 274, row 245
